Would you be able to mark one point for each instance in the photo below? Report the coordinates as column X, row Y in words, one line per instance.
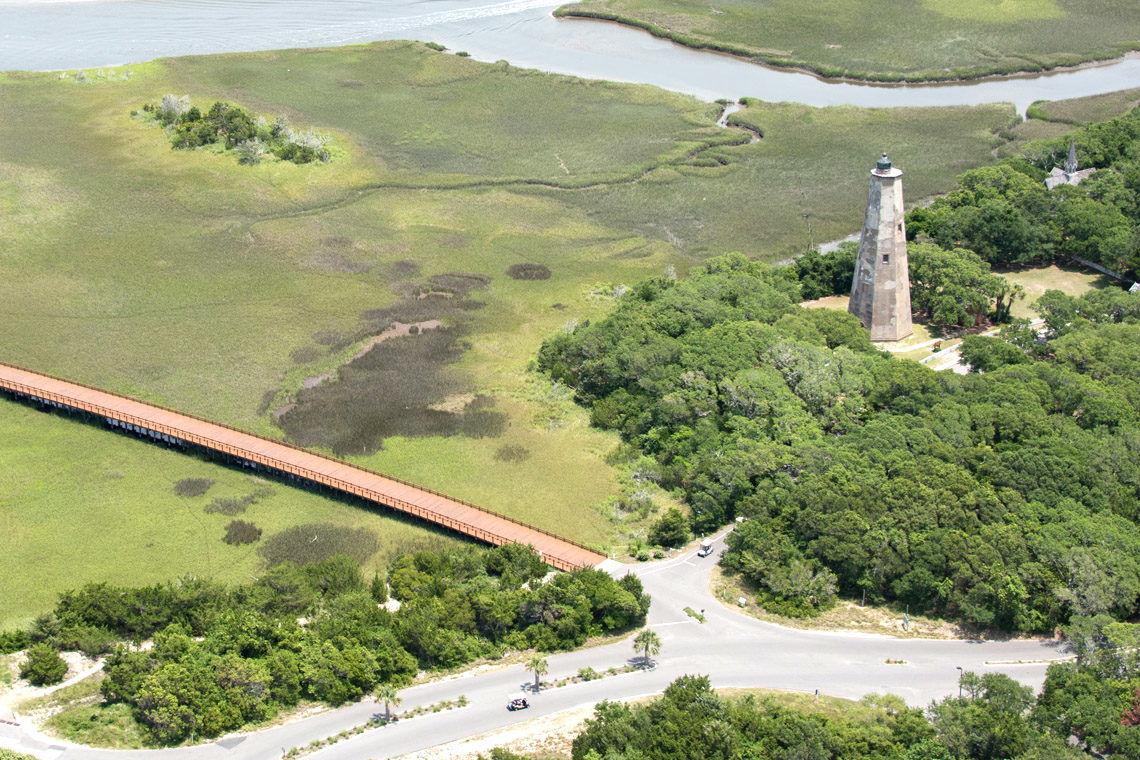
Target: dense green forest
column 1096, row 700
column 225, row 657
column 1006, row 215
column 1007, row 499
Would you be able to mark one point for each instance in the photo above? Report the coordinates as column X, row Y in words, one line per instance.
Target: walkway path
column 265, row 453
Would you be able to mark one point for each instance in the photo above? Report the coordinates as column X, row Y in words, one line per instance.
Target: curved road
column 732, row 648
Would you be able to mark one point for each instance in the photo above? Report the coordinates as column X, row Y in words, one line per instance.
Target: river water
column 66, row 34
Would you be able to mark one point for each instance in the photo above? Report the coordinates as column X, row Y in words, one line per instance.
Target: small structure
column 880, row 288
column 1070, row 175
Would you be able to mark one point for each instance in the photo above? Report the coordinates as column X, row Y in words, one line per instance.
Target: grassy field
column 804, row 183
column 79, row 503
column 913, row 40
column 1073, row 281
column 1082, row 110
column 222, row 290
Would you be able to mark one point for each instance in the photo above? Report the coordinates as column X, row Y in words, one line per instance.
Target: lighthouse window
column 900, row 226
column 886, row 258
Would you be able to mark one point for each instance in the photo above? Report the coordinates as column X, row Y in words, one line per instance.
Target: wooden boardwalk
column 174, row 427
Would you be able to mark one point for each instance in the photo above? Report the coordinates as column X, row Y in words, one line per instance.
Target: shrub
column 378, row 589
column 192, row 486
column 14, row 641
column 240, row 532
column 250, row 152
column 91, row 640
column 43, row 665
column 671, row 530
column 7, row 754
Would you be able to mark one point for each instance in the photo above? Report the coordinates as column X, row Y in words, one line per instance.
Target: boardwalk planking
column 455, row 514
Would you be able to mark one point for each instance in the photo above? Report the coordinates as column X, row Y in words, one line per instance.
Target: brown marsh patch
column 528, row 271
column 400, row 381
column 404, row 269
column 459, row 283
column 334, row 261
column 395, row 388
column 316, row 542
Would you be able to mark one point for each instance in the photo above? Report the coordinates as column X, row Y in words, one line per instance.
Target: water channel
column 65, row 34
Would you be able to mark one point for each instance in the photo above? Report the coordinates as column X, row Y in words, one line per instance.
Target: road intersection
column 733, row 649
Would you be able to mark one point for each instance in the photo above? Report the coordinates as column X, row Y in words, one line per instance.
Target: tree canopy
column 225, row 657
column 1006, row 215
column 1007, row 499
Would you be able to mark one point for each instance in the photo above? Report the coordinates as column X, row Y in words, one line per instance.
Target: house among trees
column 1070, row 175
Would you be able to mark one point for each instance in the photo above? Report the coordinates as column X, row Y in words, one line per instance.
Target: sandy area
column 78, row 667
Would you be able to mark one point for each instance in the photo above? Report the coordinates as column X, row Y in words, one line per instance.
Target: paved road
column 733, row 649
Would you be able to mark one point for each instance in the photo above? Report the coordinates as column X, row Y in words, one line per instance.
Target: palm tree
column 389, row 695
column 539, row 666
column 648, row 643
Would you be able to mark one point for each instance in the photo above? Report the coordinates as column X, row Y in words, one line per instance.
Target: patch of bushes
column 190, row 487
column 7, row 754
column 528, row 271
column 1006, row 215
column 252, row 138
column 240, row 532
column 14, row 641
column 89, row 639
column 226, row 657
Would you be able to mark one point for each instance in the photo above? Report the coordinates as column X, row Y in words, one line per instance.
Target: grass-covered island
column 901, row 40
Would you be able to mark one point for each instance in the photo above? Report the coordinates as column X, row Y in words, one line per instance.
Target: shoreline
column 867, row 79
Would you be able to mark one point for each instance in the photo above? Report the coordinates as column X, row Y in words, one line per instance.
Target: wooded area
column 226, row 657
column 1006, row 215
column 1006, row 499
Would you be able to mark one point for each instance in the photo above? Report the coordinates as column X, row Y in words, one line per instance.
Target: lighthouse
column 880, row 288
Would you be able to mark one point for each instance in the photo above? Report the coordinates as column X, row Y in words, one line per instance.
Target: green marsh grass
column 219, row 289
column 81, row 504
column 869, row 39
column 1082, row 110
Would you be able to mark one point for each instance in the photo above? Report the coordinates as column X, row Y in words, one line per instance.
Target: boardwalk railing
column 167, row 424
